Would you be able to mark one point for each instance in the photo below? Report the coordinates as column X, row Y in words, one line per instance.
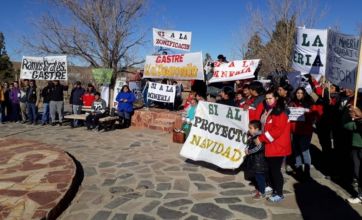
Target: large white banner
column 359, row 74
column 310, row 51
column 218, row 135
column 235, row 70
column 180, row 40
column 161, row 92
column 44, row 68
column 342, row 59
column 177, row 66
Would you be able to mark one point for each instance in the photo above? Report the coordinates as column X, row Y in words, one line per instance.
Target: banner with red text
column 176, row 66
column 218, row 135
column 180, row 40
column 234, row 70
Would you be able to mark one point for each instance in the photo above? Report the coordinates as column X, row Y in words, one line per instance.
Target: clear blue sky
column 215, row 25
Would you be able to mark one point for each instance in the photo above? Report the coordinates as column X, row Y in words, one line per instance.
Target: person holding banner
column 302, row 131
column 56, row 104
column 276, row 137
column 125, row 99
column 256, row 107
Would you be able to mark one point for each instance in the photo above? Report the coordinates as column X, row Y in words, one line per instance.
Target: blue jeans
column 31, row 112
column 77, row 110
column 301, row 145
column 45, row 116
column 125, row 115
column 1, row 113
column 260, row 181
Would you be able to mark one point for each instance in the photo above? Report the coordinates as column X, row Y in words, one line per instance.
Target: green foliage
column 7, row 72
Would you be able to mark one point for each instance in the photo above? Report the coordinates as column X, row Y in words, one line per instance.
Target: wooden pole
column 359, row 69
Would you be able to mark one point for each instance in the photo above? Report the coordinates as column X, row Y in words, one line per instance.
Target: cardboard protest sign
column 235, row 70
column 161, row 92
column 310, row 51
column 177, row 66
column 297, row 113
column 180, row 40
column 102, row 75
column 218, row 135
column 120, row 82
column 135, row 87
column 44, row 68
column 342, row 59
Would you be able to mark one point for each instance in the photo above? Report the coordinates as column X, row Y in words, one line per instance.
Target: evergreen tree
column 6, row 67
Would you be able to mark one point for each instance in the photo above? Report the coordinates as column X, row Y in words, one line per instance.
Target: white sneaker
column 268, row 190
column 356, row 200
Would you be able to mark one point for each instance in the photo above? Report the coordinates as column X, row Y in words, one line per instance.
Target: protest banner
column 235, row 70
column 120, row 82
column 44, row 68
column 218, row 135
column 310, row 51
column 342, row 59
column 180, row 40
column 297, row 113
column 135, row 87
column 161, row 92
column 102, row 75
column 359, row 74
column 177, row 66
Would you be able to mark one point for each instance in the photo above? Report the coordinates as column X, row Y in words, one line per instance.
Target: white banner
column 120, row 82
column 218, row 135
column 177, row 66
column 297, row 113
column 180, row 40
column 310, row 52
column 359, row 74
column 161, row 92
column 44, row 68
column 342, row 59
column 235, row 70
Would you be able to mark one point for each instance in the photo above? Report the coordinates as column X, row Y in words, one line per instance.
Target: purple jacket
column 15, row 95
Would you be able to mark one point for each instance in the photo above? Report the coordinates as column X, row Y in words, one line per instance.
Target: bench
column 107, row 122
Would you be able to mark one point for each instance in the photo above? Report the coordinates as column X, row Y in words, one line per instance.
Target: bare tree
column 101, row 32
column 276, row 26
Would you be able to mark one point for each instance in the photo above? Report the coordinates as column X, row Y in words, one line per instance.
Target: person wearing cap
column 98, row 111
column 56, row 104
column 76, row 100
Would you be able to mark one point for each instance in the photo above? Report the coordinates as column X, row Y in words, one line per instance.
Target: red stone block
column 15, row 193
column 59, row 178
column 39, row 214
column 17, row 179
column 43, row 198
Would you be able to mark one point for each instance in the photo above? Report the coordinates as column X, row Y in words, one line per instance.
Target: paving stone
column 120, row 216
column 120, row 189
column 257, row 213
column 106, row 164
column 221, row 179
column 235, row 192
column 108, row 182
column 229, row 185
column 192, row 217
column 203, row 195
column 135, row 144
column 150, row 206
column 228, row 200
column 172, row 168
column 204, row 187
column 212, row 211
column 145, row 184
column 166, row 213
column 196, row 177
column 101, row 215
column 90, row 171
column 134, row 195
column 117, row 202
column 163, row 178
column 125, row 176
column 128, row 164
column 289, row 216
column 163, row 186
column 177, row 203
column 153, row 194
column 181, row 185
column 175, row 195
column 142, row 217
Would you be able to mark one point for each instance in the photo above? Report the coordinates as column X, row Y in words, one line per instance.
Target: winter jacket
column 15, row 95
column 353, row 127
column 276, row 134
column 255, row 160
column 76, row 96
column 128, row 105
column 99, row 106
column 57, row 92
column 229, row 102
column 2, row 97
column 31, row 96
column 256, row 108
column 88, row 99
column 45, row 93
column 305, row 127
column 23, row 94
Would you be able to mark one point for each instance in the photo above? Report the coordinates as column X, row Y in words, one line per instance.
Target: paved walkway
column 138, row 174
